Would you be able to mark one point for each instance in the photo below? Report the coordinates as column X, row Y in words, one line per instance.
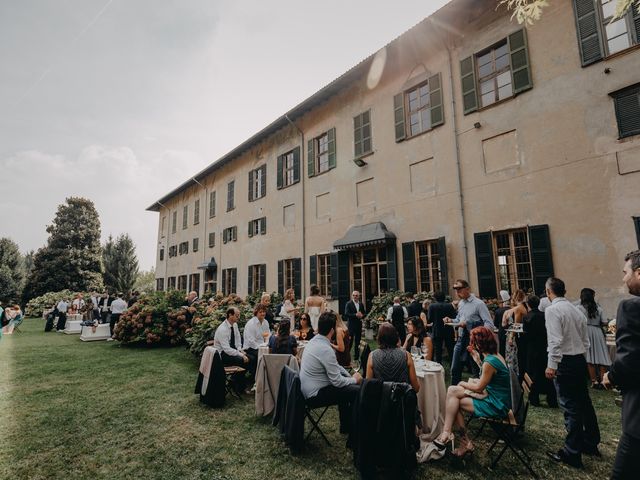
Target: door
column 370, row 284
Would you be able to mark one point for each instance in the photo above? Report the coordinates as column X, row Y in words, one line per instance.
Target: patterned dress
column 390, row 365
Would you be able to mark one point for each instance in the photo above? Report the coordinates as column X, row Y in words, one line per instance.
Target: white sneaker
column 109, row 339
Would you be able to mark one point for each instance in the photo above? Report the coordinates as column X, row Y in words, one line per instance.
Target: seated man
column 322, row 381
column 227, row 341
column 256, row 332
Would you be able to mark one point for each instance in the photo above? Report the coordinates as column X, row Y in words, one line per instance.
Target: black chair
column 314, row 419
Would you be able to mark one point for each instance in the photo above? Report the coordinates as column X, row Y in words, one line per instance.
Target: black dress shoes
column 563, row 457
column 592, row 452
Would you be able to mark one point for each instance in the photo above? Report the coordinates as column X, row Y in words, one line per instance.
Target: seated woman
column 283, row 342
column 391, row 363
column 341, row 343
column 14, row 315
column 305, row 332
column 417, row 337
column 495, row 378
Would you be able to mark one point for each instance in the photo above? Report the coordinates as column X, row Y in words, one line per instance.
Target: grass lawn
column 72, row 409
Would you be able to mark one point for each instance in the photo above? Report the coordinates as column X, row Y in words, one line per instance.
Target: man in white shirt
column 256, row 332
column 95, row 308
column 227, row 341
column 63, row 306
column 567, row 344
column 78, row 303
column 322, row 380
column 118, row 306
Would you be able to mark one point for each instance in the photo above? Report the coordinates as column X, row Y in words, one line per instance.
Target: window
column 194, row 283
column 513, row 260
column 196, row 212
column 161, row 254
column 362, row 133
column 182, row 282
column 174, row 221
column 196, row 244
column 210, row 283
column 183, row 248
column 428, row 264
column 289, row 278
column 162, row 224
column 598, row 35
column 229, row 277
column 257, row 278
column 288, row 168
column 173, row 251
column 171, row 283
column 230, row 195
column 370, row 272
column 230, row 234
column 212, row 204
column 627, row 106
column 496, row 73
column 258, row 226
column 212, row 239
column 324, row 275
column 418, row 109
column 322, row 153
column 159, row 284
column 185, row 214
column 257, row 183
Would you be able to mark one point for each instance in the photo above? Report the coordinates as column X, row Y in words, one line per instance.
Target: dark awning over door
column 360, row 236
column 210, row 265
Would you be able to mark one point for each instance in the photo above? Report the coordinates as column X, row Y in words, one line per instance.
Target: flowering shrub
column 381, row 303
column 36, row 306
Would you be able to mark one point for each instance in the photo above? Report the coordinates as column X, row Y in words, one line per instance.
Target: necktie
column 233, row 339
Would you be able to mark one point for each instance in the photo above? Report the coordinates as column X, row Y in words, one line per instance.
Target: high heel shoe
column 441, row 446
column 466, row 448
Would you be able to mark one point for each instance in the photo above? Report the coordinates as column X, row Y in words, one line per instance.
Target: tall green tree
column 146, row 281
column 11, row 271
column 72, row 258
column 120, row 263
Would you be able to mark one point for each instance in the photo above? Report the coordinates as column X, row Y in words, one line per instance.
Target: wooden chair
column 229, row 372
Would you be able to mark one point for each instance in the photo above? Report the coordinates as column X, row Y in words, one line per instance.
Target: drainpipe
column 303, row 261
column 458, row 169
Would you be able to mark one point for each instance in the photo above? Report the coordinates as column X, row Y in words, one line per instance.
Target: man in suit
column 414, row 309
column 440, row 332
column 354, row 312
column 624, row 372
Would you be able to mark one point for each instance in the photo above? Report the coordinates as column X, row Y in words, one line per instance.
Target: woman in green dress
column 488, row 397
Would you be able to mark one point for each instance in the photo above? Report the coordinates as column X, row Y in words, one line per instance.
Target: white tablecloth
column 431, row 399
column 262, row 349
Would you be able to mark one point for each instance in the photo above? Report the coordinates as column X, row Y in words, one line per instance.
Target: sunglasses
column 459, row 288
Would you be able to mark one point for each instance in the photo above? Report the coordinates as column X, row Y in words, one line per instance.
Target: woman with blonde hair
column 289, row 309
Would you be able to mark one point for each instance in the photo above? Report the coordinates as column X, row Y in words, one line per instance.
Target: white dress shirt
column 253, row 331
column 78, row 303
column 390, row 311
column 222, row 339
column 118, row 306
column 566, row 331
column 320, row 368
column 62, row 306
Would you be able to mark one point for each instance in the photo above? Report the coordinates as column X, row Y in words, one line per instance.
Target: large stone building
column 470, row 146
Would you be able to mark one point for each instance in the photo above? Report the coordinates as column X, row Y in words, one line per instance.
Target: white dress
column 314, row 315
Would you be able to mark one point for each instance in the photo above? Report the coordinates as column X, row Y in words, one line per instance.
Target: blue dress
column 498, row 401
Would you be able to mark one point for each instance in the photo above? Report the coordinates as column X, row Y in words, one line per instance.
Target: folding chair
column 229, row 372
column 16, row 322
column 315, row 419
column 510, row 429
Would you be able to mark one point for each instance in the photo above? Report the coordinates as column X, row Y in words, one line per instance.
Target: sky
column 120, row 101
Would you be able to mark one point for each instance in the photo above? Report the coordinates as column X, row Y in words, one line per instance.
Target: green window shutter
column 235, row 233
column 357, row 135
column 311, row 157
column 444, row 266
column 280, row 279
column 636, row 21
column 313, row 270
column 234, row 280
column 588, row 30
column 250, row 281
column 296, row 165
column 636, row 223
column 398, row 116
column 331, row 134
column 392, row 268
column 280, row 171
column 627, row 107
column 250, row 189
column 409, row 267
column 297, row 277
column 250, row 230
column 263, row 180
column 343, row 292
column 333, row 267
column 520, row 69
column 263, row 226
column 468, row 78
column 485, row 266
column 437, row 109
column 541, row 261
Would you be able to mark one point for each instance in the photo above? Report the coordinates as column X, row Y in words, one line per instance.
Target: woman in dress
column 314, row 306
column 423, row 315
column 417, row 337
column 389, row 362
column 514, row 349
column 305, row 332
column 289, row 309
column 283, row 342
column 495, row 379
column 341, row 343
column 598, row 354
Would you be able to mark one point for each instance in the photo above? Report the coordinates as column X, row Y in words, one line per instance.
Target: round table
column 431, row 398
column 264, row 348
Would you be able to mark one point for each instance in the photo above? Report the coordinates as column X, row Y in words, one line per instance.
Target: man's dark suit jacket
column 414, row 309
column 437, row 311
column 350, row 311
column 625, row 370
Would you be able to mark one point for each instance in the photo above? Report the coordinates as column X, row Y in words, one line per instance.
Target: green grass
column 97, row 410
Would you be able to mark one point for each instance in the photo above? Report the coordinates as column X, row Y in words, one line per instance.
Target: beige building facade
column 470, row 146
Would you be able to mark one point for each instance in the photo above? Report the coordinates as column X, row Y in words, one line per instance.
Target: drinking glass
column 355, row 365
column 415, row 352
column 425, row 352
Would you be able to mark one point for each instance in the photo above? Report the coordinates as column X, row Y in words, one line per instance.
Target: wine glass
column 303, row 336
column 425, row 351
column 355, row 366
column 415, row 352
